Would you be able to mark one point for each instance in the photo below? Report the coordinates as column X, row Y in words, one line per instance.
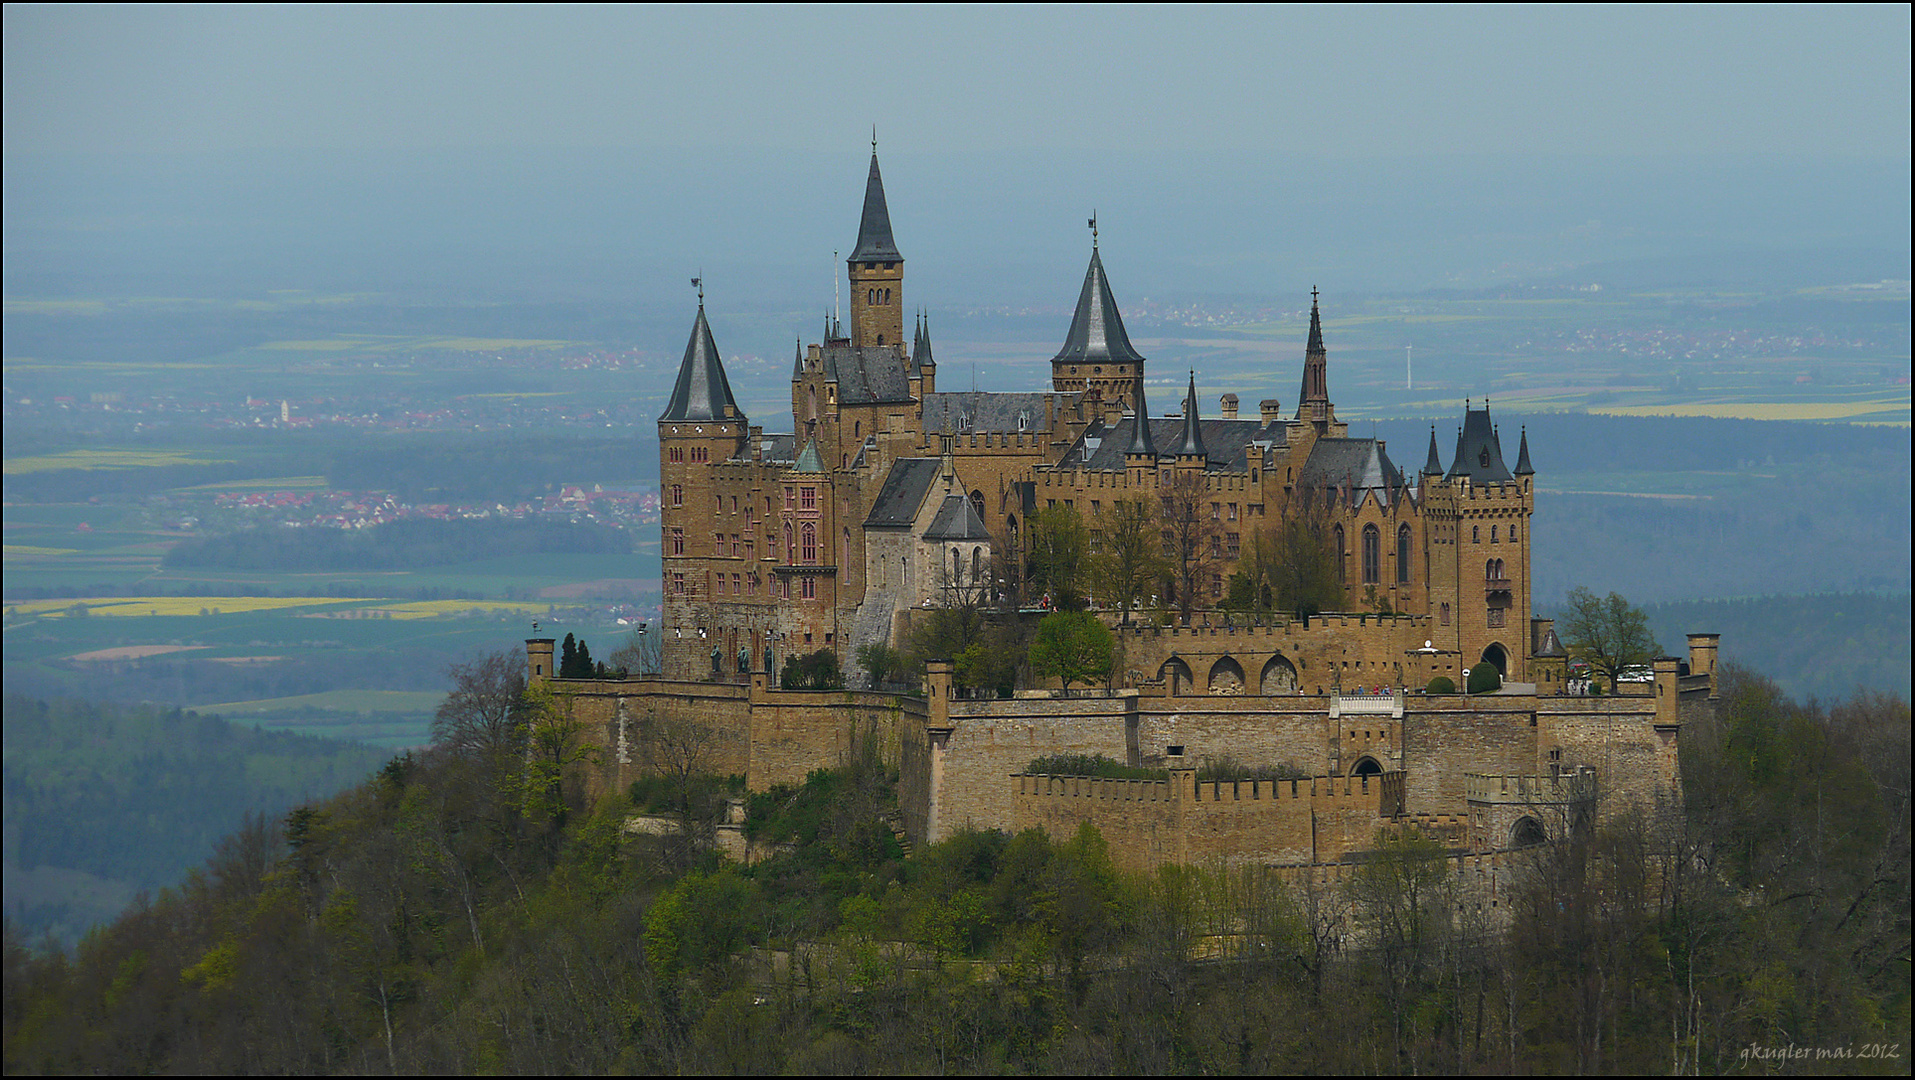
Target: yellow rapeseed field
column 177, row 605
column 104, row 459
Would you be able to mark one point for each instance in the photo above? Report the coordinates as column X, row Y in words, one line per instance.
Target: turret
column 1190, row 449
column 1142, row 451
column 877, row 271
column 1313, row 402
column 1097, row 353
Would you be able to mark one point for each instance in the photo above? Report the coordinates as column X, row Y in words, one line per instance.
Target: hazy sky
column 1344, row 81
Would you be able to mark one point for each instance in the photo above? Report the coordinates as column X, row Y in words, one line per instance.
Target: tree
column 1072, row 645
column 812, row 671
column 1297, row 561
column 575, row 660
column 1193, row 537
column 1129, row 557
column 1060, row 547
column 1607, row 633
column 483, row 717
column 640, row 655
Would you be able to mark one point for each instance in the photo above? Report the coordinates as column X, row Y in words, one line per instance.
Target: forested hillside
column 465, row 911
column 103, row 801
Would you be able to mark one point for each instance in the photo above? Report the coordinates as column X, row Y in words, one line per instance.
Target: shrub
column 1228, row 768
column 812, row 671
column 1092, row 765
column 1484, row 678
column 1442, row 684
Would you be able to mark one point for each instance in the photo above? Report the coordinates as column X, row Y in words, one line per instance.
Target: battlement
column 1573, row 787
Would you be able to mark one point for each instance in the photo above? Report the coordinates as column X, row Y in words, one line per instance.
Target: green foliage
column 1483, row 679
column 886, row 664
column 1091, row 765
column 812, row 671
column 1606, row 632
column 1128, row 560
column 1072, row 646
column 575, row 660
column 1442, row 684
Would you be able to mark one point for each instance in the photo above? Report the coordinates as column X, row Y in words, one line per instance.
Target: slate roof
column 1360, row 465
column 867, row 375
column 1192, row 443
column 1523, row 467
column 921, row 358
column 1097, row 330
column 808, row 460
column 1479, row 453
column 702, row 391
column 1140, row 441
column 1104, row 447
column 874, row 227
column 981, row 410
column 957, row 520
column 1434, row 465
column 896, row 506
column 778, row 447
column 1552, row 645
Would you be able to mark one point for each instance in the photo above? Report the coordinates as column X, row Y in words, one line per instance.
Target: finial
column 874, row 139
column 1093, row 230
column 1313, row 296
column 699, row 284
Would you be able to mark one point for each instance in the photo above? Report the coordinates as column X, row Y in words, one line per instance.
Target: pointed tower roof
column 1193, row 440
column 1316, row 365
column 1434, row 466
column 808, row 459
column 1479, row 453
column 921, row 357
column 702, row 391
column 1097, row 329
column 1523, row 467
column 798, row 360
column 874, row 228
column 1140, row 441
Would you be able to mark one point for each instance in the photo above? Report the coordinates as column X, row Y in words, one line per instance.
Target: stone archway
column 1366, row 766
column 1176, row 675
column 1279, row 677
column 1527, row 832
column 1226, row 677
column 1498, row 656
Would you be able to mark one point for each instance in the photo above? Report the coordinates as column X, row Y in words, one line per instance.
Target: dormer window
column 1482, row 458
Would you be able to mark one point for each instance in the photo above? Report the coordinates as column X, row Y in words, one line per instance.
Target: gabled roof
column 1192, row 443
column 1107, row 447
column 874, row 227
column 902, row 495
column 702, row 391
column 1359, row 466
column 1097, row 330
column 957, row 520
column 1479, row 453
column 965, row 411
column 866, row 375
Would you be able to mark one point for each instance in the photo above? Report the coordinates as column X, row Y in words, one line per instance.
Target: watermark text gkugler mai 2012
column 1792, row 1052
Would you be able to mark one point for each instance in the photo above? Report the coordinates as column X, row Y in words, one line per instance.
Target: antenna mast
column 834, row 291
column 1409, row 382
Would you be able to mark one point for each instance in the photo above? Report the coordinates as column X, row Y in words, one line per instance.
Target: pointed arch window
column 1372, row 555
column 1343, row 555
column 810, row 543
column 1403, row 555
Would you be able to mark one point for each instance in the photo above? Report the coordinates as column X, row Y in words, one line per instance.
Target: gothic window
column 977, row 565
column 1372, row 556
column 1489, row 570
column 1492, row 534
column 808, row 498
column 1475, row 534
column 977, row 504
column 721, row 584
column 1343, row 553
column 791, row 550
column 1444, row 615
column 1512, row 534
column 718, row 544
column 678, row 584
column 811, row 543
column 734, row 504
column 1403, row 555
column 678, row 495
column 1501, row 574
column 810, row 589
column 678, row 540
column 788, row 497
column 737, row 545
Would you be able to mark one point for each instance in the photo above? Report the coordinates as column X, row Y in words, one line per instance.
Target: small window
column 678, row 495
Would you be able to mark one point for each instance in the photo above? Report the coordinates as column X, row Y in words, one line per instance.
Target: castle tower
column 1097, row 356
column 877, row 271
column 701, row 426
column 1313, row 402
column 1141, row 453
column 1480, row 578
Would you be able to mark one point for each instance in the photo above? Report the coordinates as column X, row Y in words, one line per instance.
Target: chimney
column 1229, row 402
column 1271, row 409
column 757, row 442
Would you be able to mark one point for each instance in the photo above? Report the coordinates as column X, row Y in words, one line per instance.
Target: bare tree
column 1127, row 555
column 483, row 717
column 1193, row 537
column 641, row 653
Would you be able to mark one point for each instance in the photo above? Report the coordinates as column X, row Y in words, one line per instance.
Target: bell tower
column 877, row 271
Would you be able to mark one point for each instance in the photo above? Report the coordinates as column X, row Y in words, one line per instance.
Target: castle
column 889, row 496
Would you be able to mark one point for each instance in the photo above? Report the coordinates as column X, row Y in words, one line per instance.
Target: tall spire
column 1097, row 329
column 1315, row 397
column 797, row 360
column 1433, row 466
column 874, row 228
column 1140, row 440
column 921, row 349
column 702, row 391
column 1523, row 467
column 1193, row 442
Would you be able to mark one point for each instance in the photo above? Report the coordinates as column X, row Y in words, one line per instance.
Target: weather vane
column 699, row 284
column 1093, row 228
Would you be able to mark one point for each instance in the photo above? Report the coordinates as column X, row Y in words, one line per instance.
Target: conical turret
column 877, row 272
column 1523, row 467
column 1097, row 353
column 1193, row 440
column 702, row 391
column 1434, row 465
column 875, row 243
column 1141, row 444
column 1313, row 403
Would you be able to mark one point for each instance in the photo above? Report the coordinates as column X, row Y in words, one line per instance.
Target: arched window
column 977, row 565
column 1372, row 555
column 814, row 402
column 1512, row 534
column 1475, row 534
column 1501, row 574
column 844, row 549
column 1489, row 570
column 811, row 543
column 791, row 551
column 1492, row 534
column 977, row 503
column 1403, row 555
column 1343, row 554
column 1444, row 615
